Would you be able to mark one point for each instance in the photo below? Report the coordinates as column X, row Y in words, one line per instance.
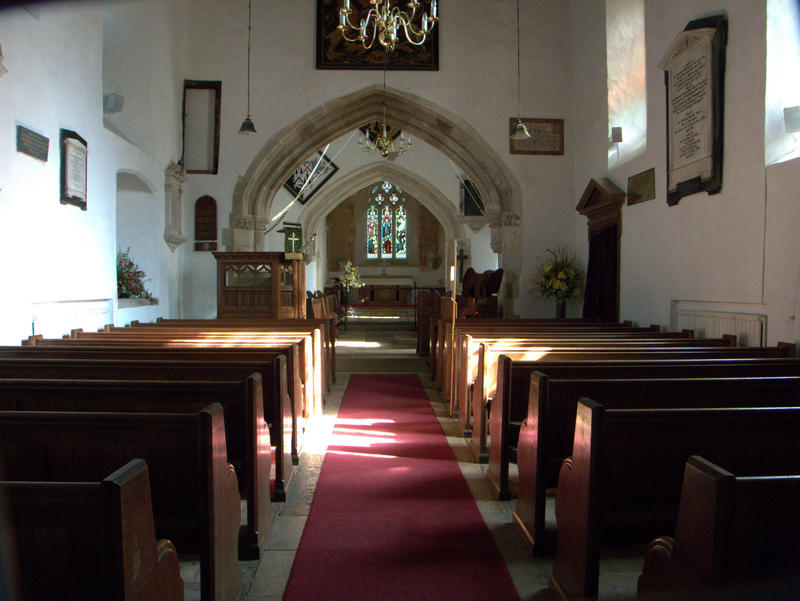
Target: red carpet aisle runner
column 392, row 517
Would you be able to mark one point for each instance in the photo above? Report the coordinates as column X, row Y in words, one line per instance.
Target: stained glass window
column 372, row 233
column 387, row 223
column 400, row 233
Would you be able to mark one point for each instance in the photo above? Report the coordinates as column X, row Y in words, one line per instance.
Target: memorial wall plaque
column 32, row 144
column 694, row 67
column 642, row 187
column 74, row 153
column 547, row 137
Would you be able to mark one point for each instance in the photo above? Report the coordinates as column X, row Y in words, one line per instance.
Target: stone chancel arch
column 452, row 136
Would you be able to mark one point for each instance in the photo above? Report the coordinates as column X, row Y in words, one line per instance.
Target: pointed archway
column 255, row 191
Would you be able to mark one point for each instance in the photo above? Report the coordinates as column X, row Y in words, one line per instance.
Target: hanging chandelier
column 385, row 24
column 382, row 137
column 378, row 135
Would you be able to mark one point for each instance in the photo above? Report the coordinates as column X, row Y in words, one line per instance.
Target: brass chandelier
column 380, row 136
column 389, row 140
column 385, row 23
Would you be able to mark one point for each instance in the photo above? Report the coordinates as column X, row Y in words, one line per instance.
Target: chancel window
column 387, row 223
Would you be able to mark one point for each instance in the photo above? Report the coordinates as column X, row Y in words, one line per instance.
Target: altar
column 386, row 291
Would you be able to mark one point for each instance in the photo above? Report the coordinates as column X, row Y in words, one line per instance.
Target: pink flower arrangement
column 130, row 278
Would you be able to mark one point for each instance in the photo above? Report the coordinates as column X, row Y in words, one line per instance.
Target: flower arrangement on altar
column 352, row 278
column 558, row 275
column 130, row 278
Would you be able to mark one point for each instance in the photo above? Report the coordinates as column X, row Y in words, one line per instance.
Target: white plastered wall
column 58, row 262
column 732, row 249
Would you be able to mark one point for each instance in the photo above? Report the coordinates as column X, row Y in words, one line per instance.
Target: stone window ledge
column 129, row 303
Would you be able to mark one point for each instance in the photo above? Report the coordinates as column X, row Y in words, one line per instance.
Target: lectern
column 260, row 284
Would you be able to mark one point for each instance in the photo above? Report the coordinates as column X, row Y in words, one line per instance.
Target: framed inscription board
column 694, row 73
column 304, row 179
column 74, row 154
column 334, row 52
column 547, row 136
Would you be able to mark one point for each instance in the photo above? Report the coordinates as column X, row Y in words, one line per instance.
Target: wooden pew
column 484, row 388
column 558, row 399
column 303, row 351
column 441, row 334
column 545, row 437
column 194, row 489
column 146, row 349
column 737, row 537
column 466, row 357
column 325, row 328
column 623, row 480
column 246, row 431
column 276, row 407
column 91, row 540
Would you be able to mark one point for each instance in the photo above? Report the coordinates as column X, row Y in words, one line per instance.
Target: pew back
column 194, row 489
column 91, row 540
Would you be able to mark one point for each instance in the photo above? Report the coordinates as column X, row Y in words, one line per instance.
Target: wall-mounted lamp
column 791, row 119
column 112, row 103
column 616, row 135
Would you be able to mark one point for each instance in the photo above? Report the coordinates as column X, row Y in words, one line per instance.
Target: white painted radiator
column 750, row 329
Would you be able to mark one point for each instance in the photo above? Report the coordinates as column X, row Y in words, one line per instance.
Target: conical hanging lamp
column 520, row 132
column 247, row 126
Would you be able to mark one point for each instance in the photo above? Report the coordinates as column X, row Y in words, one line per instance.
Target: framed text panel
column 74, row 168
column 547, row 137
column 694, row 75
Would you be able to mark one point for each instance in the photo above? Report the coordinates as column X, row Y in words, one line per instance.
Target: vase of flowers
column 558, row 276
column 130, row 278
column 352, row 281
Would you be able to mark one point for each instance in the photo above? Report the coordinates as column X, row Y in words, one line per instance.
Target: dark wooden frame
column 327, row 169
column 718, row 59
column 193, row 84
column 65, row 135
column 527, row 146
column 406, row 57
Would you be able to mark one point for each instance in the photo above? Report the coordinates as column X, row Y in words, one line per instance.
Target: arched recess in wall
column 445, row 131
column 313, row 216
column 205, row 223
column 137, row 211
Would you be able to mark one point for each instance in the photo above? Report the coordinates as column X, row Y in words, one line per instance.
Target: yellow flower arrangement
column 558, row 276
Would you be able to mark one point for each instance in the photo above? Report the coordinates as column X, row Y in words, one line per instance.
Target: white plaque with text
column 689, row 107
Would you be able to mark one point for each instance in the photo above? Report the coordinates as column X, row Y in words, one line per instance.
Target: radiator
column 750, row 329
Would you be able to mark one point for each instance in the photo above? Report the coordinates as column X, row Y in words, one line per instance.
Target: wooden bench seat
column 326, row 329
column 194, row 489
column 737, row 537
column 440, row 332
column 466, row 360
column 304, row 358
column 91, row 540
column 277, row 408
column 246, row 431
column 557, row 401
column 146, row 351
column 623, row 480
column 546, row 434
column 484, row 388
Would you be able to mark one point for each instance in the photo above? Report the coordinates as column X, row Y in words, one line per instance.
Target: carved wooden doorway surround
column 601, row 203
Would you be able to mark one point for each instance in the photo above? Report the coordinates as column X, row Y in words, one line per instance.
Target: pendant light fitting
column 247, row 126
column 520, row 132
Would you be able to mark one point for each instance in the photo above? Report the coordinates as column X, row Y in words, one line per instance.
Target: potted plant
column 130, row 278
column 558, row 276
